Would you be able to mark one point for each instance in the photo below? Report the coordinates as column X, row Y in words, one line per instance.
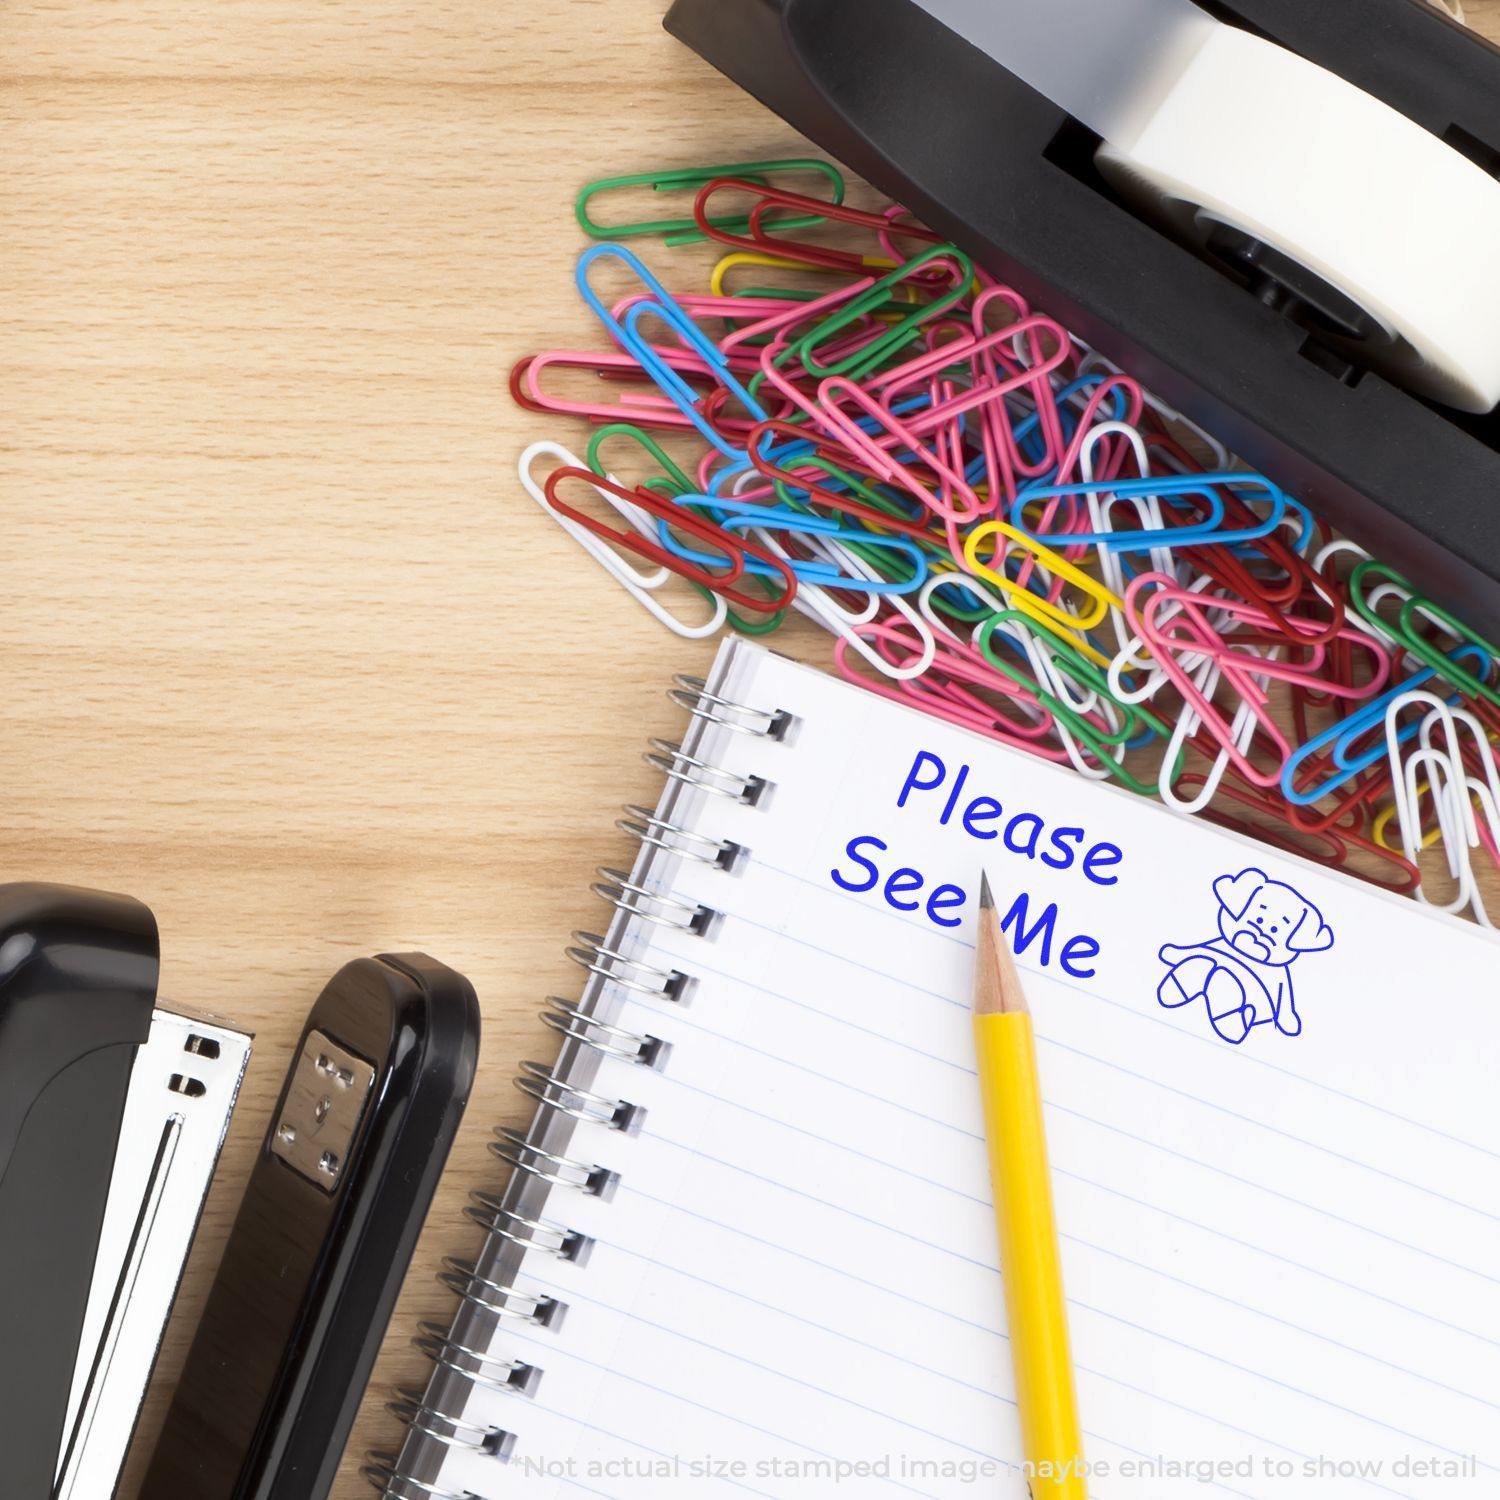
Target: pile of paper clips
column 997, row 526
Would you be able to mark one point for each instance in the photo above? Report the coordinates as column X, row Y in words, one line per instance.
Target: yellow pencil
column 1030, row 1263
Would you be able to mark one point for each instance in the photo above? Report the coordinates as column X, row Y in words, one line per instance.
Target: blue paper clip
column 1165, row 488
column 628, row 337
column 1345, row 735
column 737, row 515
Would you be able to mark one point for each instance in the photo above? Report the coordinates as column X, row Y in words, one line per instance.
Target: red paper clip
column 736, row 549
column 769, row 200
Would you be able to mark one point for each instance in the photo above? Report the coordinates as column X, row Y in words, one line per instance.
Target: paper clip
column 1242, row 729
column 1108, row 745
column 660, row 369
column 637, row 583
column 956, row 270
column 1404, row 629
column 821, row 606
column 735, row 515
column 983, row 389
column 767, row 200
column 1195, row 640
column 1341, row 739
column 685, row 231
column 1442, row 773
column 950, row 689
column 1480, row 760
column 1041, row 608
column 864, row 502
column 961, row 674
column 1136, row 656
column 650, row 408
column 1162, row 488
column 669, row 473
column 718, row 281
column 881, row 459
column 1060, row 424
column 1205, row 637
column 734, row 554
column 672, row 482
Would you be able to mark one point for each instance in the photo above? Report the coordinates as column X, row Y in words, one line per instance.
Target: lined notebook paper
column 1270, row 1097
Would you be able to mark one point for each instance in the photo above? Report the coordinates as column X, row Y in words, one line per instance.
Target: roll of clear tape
column 1209, row 126
column 1254, row 138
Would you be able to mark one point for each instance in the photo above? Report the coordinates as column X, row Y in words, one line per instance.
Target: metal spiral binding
column 676, row 764
column 380, row 1470
column 568, row 1019
column 462, row 1276
column 486, row 1210
column 622, row 893
column 558, row 1171
column 481, row 1368
column 657, row 833
column 451, row 1432
column 692, row 694
column 537, row 1082
column 591, row 952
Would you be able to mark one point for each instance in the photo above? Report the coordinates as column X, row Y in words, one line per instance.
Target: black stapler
column 111, row 1118
column 78, row 977
column 1248, row 345
column 323, row 1237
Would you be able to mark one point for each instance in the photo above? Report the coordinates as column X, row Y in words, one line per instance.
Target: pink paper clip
column 946, row 689
column 838, row 389
column 646, row 407
column 1241, row 684
column 1308, row 673
column 892, row 385
column 778, row 323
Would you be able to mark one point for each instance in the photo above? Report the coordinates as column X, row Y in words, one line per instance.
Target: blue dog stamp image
column 1244, row 976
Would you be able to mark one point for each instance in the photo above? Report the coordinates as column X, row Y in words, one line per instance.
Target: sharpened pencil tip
column 997, row 984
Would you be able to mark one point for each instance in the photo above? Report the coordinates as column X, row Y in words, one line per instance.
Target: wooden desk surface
column 286, row 653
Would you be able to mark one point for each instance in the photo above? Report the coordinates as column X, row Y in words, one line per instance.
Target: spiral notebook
column 748, row 1249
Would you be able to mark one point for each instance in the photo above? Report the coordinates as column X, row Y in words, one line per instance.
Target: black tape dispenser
column 1282, row 217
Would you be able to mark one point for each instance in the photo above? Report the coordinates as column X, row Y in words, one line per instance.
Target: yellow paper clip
column 1056, row 617
column 738, row 258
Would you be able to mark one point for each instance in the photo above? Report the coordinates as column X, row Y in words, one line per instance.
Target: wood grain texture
column 287, row 655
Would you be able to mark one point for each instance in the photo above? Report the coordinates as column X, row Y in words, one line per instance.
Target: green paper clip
column 889, row 289
column 671, row 472
column 685, row 231
column 1404, row 630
